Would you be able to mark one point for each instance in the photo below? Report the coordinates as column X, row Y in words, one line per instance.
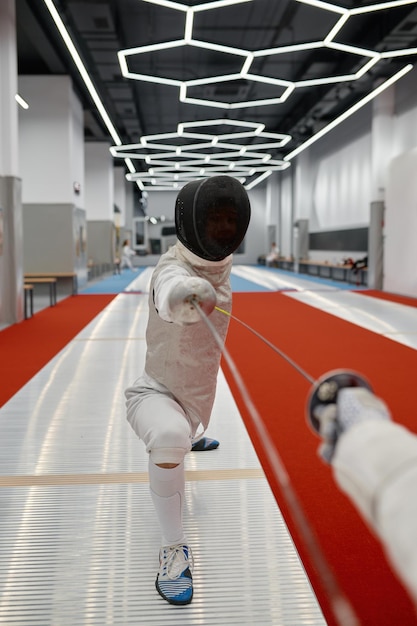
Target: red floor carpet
column 392, row 297
column 319, row 342
column 26, row 347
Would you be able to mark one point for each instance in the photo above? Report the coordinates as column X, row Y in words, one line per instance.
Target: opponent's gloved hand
column 188, row 294
column 354, row 405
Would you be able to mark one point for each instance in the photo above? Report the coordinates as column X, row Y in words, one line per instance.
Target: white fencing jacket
column 186, row 359
column 375, row 464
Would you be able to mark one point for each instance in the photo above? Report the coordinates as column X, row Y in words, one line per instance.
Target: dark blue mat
column 113, row 284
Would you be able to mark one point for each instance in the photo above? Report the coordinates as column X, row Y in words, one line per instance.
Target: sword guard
column 326, row 388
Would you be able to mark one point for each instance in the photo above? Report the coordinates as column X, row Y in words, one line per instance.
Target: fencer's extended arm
column 176, row 295
column 375, row 464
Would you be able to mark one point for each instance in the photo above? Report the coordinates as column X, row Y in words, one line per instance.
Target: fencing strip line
column 342, row 608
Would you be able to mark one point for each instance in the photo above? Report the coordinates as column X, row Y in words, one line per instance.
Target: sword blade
column 295, row 365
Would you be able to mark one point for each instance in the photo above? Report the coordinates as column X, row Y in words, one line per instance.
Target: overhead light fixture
column 171, row 4
column 391, row 54
column 353, row 109
column 21, row 101
column 161, row 163
column 287, row 87
column 87, row 81
column 82, row 70
column 382, row 6
column 328, row 6
column 259, row 179
column 228, row 154
column 226, row 151
column 256, row 127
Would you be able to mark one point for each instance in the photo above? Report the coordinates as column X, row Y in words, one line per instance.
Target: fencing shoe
column 174, row 581
column 205, row 443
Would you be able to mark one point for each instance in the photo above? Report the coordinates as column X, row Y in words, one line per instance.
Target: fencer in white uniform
column 170, row 404
column 127, row 255
column 374, row 462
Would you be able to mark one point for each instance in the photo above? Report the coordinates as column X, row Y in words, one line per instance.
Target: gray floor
column 78, row 536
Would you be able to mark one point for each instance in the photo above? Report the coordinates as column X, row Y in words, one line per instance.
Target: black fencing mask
column 212, row 216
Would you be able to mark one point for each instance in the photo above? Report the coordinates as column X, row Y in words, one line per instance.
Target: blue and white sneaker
column 174, row 581
column 205, row 443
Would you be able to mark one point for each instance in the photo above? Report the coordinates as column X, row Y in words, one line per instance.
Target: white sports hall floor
column 79, row 539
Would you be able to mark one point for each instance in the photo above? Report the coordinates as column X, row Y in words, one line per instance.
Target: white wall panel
column 342, row 190
column 400, row 254
column 305, row 173
column 50, row 141
column 76, row 138
column 99, row 182
column 405, row 131
column 120, row 185
column 8, row 88
column 256, row 237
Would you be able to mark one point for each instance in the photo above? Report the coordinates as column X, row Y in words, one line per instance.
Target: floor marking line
column 124, row 477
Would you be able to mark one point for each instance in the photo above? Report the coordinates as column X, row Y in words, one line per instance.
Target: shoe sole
column 171, row 600
column 201, row 447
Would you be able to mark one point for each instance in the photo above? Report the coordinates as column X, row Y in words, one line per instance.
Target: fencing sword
column 323, row 391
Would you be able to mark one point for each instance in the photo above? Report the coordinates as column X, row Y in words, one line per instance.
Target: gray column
column 99, row 204
column 11, row 247
column 273, row 213
column 382, row 131
column 375, row 246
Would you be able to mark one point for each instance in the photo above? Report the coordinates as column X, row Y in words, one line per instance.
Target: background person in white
column 127, row 255
column 273, row 255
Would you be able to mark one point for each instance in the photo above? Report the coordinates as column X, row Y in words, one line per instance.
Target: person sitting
column 359, row 264
column 273, row 255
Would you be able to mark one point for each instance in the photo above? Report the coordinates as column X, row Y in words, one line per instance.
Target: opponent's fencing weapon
column 323, row 391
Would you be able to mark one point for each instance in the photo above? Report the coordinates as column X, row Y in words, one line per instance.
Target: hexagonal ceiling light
column 344, row 13
column 205, row 154
column 164, row 165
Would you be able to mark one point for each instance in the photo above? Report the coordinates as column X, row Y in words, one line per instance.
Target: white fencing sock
column 167, row 491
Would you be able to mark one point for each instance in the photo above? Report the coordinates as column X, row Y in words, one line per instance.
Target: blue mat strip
column 118, row 282
column 242, row 284
column 113, row 284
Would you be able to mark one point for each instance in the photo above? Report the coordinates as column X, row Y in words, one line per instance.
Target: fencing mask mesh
column 212, row 216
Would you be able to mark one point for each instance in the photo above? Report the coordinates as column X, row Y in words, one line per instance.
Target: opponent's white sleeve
column 375, row 464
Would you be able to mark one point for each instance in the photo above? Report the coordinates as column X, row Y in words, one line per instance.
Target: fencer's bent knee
column 168, row 444
column 161, row 423
column 167, row 456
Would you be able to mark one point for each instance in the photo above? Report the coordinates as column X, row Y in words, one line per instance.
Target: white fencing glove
column 354, row 405
column 188, row 294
